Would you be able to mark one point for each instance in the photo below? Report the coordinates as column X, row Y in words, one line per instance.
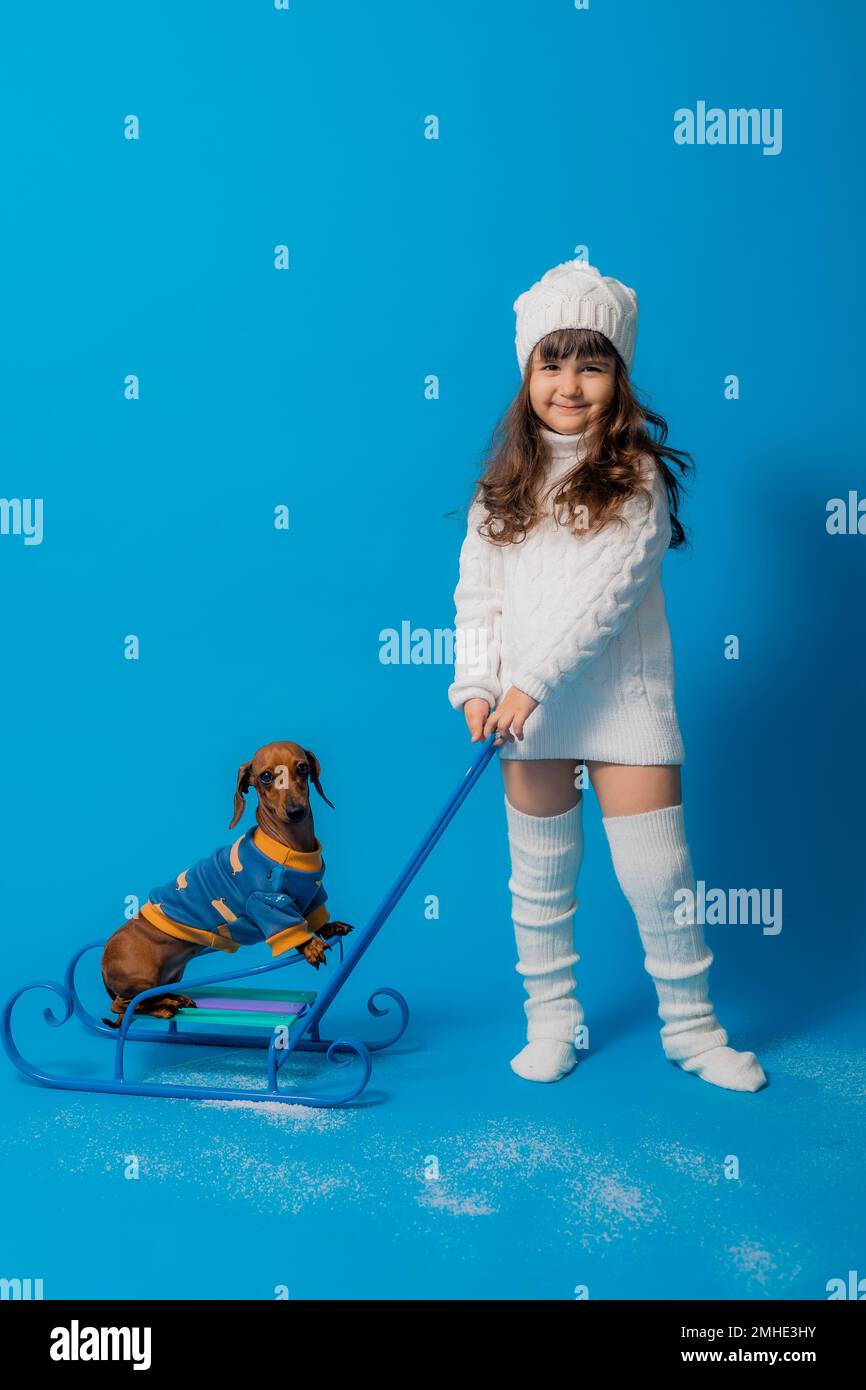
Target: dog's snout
column 295, row 812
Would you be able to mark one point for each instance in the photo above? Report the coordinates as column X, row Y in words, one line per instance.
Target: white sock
column 652, row 863
column 546, row 854
column 736, row 1071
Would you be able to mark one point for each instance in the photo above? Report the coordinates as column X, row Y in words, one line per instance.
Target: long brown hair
column 609, row 472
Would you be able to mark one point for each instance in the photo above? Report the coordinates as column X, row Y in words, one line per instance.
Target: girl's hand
column 510, row 715
column 476, row 711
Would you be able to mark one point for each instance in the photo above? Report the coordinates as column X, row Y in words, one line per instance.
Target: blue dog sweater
column 254, row 890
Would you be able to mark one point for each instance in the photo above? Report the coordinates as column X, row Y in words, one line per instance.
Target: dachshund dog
column 266, row 886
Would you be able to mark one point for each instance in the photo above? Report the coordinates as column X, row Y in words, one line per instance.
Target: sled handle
column 365, row 937
column 437, row 829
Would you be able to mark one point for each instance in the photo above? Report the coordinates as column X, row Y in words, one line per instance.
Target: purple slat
column 261, row 1006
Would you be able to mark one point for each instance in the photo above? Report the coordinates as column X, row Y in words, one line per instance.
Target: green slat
column 301, row 996
column 236, row 1018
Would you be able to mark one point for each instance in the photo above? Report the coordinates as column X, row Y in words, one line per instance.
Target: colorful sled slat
column 301, row 996
column 251, row 1006
column 236, row 1018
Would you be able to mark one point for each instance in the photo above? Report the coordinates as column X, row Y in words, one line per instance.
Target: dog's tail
column 113, row 1022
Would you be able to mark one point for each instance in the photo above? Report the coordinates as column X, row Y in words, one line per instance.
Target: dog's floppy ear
column 241, row 791
column 315, row 770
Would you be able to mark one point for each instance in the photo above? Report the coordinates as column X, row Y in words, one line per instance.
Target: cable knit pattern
column 577, row 621
column 479, row 597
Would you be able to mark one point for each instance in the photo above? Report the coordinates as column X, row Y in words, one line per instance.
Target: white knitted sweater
column 576, row 620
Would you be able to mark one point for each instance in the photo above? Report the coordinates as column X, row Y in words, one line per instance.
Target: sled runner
column 281, row 1021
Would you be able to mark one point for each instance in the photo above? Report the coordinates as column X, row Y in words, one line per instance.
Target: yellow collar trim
column 283, row 854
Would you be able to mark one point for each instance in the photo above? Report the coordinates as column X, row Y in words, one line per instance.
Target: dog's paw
column 335, row 929
column 165, row 1006
column 313, row 952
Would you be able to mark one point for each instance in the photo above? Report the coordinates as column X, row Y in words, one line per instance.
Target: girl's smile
column 566, row 392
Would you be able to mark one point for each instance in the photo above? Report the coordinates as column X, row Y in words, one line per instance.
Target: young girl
column 561, row 625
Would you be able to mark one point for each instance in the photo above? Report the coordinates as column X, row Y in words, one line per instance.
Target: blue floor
column 449, row 1178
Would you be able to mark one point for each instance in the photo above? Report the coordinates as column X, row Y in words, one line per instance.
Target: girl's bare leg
column 541, row 787
column 628, row 791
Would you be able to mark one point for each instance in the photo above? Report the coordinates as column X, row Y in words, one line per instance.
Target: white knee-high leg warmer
column 652, row 863
column 546, row 855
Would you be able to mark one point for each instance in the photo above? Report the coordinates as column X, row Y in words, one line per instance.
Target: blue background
column 306, row 388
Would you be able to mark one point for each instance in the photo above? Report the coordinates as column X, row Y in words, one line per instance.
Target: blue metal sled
column 282, row 1021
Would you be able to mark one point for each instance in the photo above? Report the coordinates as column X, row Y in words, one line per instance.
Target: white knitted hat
column 576, row 295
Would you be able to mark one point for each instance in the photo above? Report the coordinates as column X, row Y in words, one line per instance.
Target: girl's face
column 568, row 394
